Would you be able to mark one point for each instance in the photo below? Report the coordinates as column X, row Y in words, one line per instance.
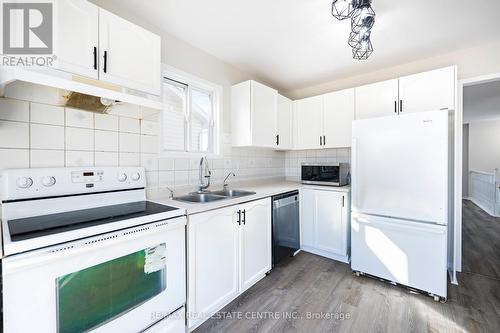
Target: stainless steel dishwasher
column 286, row 230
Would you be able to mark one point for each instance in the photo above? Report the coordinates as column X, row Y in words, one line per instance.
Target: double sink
column 212, row 196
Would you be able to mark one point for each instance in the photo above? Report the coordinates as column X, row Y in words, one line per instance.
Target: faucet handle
column 171, row 192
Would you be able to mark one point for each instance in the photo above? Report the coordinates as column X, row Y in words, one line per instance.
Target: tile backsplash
column 43, row 135
column 36, row 130
column 294, row 159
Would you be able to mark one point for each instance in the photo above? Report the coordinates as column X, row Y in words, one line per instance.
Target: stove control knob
column 122, row 177
column 48, row 181
column 136, row 176
column 24, row 182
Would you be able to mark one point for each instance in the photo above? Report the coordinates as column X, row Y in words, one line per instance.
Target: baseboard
column 326, row 254
column 480, row 205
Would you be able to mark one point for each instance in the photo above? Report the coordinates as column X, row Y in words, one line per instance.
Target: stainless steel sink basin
column 213, row 196
column 232, row 193
column 200, row 197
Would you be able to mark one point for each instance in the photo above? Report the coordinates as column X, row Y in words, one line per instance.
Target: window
column 190, row 115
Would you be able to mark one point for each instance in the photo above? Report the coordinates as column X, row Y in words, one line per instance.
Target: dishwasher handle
column 284, row 202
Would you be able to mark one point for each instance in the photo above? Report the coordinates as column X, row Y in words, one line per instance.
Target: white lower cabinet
column 324, row 222
column 229, row 250
column 255, row 242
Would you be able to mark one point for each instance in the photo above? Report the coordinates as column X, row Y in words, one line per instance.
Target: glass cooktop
column 37, row 226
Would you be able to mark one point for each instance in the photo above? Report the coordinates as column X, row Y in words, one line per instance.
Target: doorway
column 481, row 178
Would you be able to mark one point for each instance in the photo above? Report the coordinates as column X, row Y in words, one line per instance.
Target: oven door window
column 96, row 295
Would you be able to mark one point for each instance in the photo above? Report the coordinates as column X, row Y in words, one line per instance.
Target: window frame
column 216, row 93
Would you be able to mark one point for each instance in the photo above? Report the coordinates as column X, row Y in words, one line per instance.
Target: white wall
column 484, row 145
column 471, row 62
column 465, row 161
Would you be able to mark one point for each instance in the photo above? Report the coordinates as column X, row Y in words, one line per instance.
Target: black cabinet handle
column 105, row 68
column 277, row 140
column 95, row 58
column 320, row 140
column 244, row 216
column 324, row 140
column 343, row 201
column 400, row 106
column 395, row 106
column 239, row 217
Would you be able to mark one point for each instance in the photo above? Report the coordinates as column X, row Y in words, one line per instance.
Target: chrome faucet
column 202, row 186
column 171, row 195
column 227, row 177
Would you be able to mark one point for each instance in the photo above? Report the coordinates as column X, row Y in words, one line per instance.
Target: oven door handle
column 83, row 246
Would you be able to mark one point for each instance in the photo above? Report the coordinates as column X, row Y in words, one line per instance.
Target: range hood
column 79, row 87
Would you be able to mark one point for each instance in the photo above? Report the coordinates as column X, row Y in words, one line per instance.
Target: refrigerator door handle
column 398, row 224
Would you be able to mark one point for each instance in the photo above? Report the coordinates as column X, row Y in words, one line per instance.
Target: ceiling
column 292, row 44
column 482, row 102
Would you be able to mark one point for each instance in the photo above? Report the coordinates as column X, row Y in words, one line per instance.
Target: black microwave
column 331, row 174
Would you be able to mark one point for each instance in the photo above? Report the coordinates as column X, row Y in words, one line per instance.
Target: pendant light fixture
column 362, row 20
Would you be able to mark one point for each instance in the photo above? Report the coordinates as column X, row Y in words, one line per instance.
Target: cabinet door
column 76, row 37
column 307, row 215
column 212, row 261
column 309, row 122
column 377, row 100
column 284, row 123
column 338, row 114
column 264, row 110
column 329, row 225
column 255, row 242
column 130, row 55
column 428, row 91
column 241, row 114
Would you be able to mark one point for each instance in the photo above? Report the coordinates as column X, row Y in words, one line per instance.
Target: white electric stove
column 83, row 250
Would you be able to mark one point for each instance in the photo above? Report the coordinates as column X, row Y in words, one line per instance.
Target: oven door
column 118, row 282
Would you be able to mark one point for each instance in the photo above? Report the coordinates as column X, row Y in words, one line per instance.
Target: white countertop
column 263, row 189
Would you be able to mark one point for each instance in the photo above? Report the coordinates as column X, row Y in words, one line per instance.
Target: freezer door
column 400, row 166
column 410, row 253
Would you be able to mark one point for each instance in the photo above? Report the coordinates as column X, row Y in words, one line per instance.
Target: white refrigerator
column 400, row 199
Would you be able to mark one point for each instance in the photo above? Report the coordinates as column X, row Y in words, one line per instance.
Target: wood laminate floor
column 309, row 285
column 480, row 241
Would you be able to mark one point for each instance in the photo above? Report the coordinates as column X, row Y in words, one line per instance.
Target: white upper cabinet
column 284, row 124
column 254, row 115
column 129, row 55
column 428, row 91
column 309, row 122
column 338, row 114
column 377, row 100
column 76, row 38
column 325, row 121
